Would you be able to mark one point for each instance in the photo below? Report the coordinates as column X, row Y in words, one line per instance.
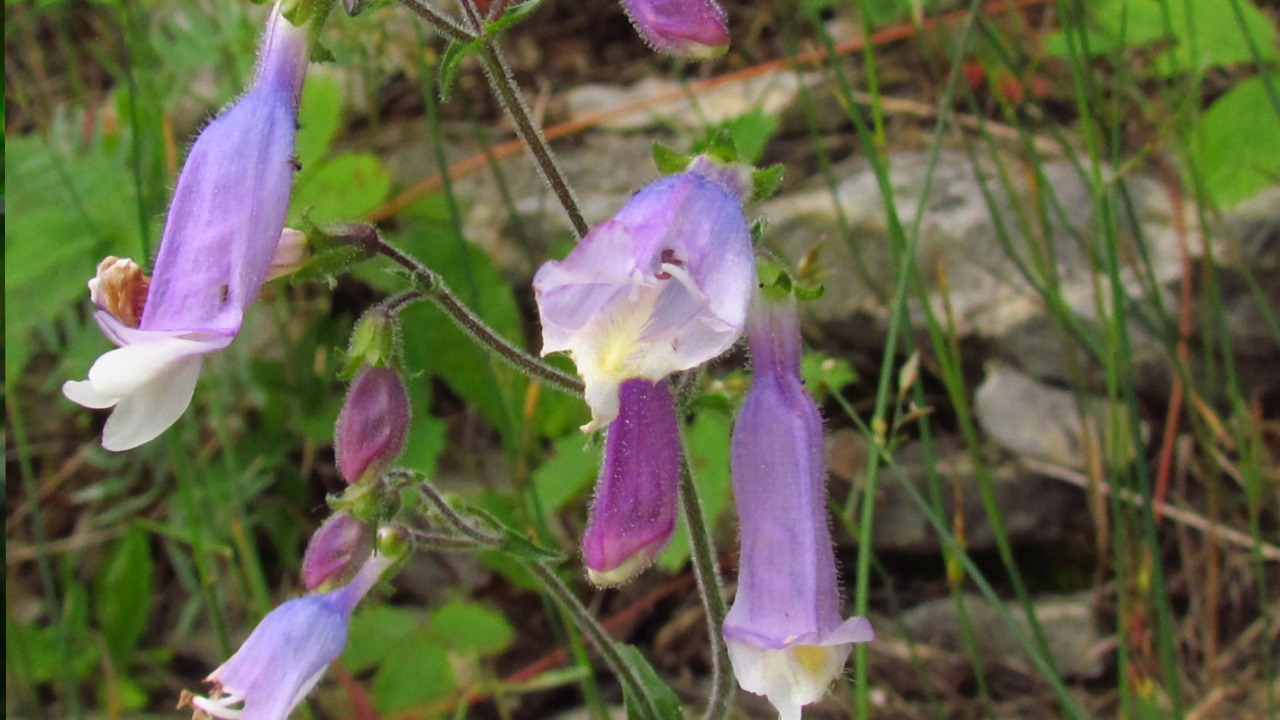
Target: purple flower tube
column 634, row 512
column 373, row 423
column 662, row 287
column 694, row 29
column 220, row 238
column 288, row 652
column 787, row 640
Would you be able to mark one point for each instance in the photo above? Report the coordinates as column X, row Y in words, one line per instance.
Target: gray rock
column 1034, row 509
column 1033, row 420
column 1070, row 627
column 991, row 282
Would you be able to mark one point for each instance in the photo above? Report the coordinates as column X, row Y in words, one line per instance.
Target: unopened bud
column 694, row 29
column 292, row 253
column 373, row 423
column 120, row 288
column 336, row 551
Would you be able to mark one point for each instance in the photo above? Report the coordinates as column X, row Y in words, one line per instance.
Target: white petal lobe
column 150, row 410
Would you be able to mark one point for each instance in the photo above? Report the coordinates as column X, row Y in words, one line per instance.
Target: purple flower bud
column 373, row 423
column 634, row 512
column 684, row 28
column 287, row 653
column 662, row 287
column 336, row 551
column 224, row 222
column 786, row 638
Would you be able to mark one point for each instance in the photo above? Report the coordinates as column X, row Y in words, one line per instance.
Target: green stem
column 596, row 632
column 711, row 592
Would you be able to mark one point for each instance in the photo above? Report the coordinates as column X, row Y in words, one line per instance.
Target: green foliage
column 751, row 134
column 124, row 594
column 1237, row 142
column 471, row 629
column 707, row 442
column 668, row 705
column 348, row 186
column 319, row 118
column 1194, row 35
column 66, row 209
column 410, row 651
column 570, row 470
column 824, row 375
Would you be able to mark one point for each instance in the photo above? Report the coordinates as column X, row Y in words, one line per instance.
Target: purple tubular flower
column 220, row 237
column 287, row 653
column 373, row 423
column 786, row 638
column 634, row 512
column 662, row 287
column 336, row 551
column 694, row 29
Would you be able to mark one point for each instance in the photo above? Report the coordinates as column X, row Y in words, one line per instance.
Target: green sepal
column 373, row 342
column 765, row 181
column 669, row 161
column 321, row 54
column 776, row 283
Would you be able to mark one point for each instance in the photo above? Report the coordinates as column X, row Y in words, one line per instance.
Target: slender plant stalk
column 498, row 72
column 446, row 25
column 710, row 591
column 596, row 632
column 433, row 287
column 504, row 86
column 66, row 675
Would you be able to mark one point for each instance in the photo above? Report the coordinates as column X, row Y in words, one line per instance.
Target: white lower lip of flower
column 791, row 677
column 149, row 384
column 220, row 707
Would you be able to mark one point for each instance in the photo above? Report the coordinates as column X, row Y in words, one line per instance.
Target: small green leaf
column 669, row 161
column 513, row 15
column 1238, row 140
column 824, row 375
column 661, row 696
column 453, row 56
column 751, row 134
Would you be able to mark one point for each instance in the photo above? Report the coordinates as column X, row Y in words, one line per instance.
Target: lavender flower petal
column 786, row 637
column 662, row 287
column 634, row 512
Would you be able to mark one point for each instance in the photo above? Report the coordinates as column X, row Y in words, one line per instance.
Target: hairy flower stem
column 396, row 303
column 504, row 86
column 587, row 623
column 711, row 592
column 433, row 287
column 436, row 542
column 452, row 517
column 446, row 25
